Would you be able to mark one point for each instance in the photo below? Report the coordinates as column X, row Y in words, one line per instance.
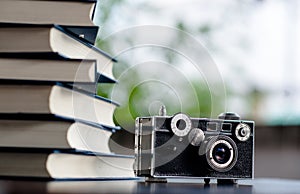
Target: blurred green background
column 254, row 45
column 253, row 42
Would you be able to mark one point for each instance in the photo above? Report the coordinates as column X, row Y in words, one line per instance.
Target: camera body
column 182, row 147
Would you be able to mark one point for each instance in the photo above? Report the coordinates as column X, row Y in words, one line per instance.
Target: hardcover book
column 58, row 100
column 55, row 164
column 47, row 69
column 39, row 39
column 72, row 13
column 52, row 132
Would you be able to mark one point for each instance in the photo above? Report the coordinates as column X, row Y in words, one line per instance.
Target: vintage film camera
column 181, row 147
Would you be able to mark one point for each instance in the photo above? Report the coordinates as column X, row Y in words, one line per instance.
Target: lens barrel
column 221, row 153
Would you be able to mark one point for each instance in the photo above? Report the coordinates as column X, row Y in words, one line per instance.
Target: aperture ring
column 230, row 144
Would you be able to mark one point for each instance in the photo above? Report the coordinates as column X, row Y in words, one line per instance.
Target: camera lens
column 221, row 153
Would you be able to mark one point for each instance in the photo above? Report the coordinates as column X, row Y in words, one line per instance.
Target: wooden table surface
column 133, row 186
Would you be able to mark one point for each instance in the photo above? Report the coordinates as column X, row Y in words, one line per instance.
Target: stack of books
column 52, row 123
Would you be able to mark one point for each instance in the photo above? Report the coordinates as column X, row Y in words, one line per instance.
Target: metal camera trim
column 245, row 129
column 196, row 136
column 188, row 126
column 233, row 150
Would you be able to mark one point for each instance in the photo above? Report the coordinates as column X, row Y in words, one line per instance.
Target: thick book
column 48, row 164
column 73, row 13
column 40, row 39
column 56, row 99
column 47, row 69
column 44, row 131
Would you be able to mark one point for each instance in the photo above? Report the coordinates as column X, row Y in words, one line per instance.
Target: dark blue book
column 88, row 33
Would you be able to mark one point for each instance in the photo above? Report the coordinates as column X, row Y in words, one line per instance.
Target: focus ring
column 231, row 148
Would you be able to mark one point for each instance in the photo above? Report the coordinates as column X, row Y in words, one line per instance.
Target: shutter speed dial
column 181, row 124
column 242, row 132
